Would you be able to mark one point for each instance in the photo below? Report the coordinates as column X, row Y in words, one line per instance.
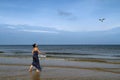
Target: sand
column 16, row 68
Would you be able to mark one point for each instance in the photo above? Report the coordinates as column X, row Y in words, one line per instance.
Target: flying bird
column 102, row 19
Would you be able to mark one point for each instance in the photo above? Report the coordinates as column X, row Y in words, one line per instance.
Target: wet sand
column 16, row 68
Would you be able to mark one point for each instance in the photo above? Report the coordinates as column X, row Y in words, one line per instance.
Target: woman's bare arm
column 39, row 51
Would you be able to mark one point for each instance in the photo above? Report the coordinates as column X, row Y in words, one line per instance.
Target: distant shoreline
column 59, row 44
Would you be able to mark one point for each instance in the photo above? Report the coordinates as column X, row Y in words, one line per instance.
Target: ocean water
column 66, row 51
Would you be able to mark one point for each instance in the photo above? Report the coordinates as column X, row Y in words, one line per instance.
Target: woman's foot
column 37, row 70
column 30, row 70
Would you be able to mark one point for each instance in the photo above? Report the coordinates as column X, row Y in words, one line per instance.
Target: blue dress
column 36, row 62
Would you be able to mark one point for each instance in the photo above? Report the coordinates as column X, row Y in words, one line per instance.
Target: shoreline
column 57, row 69
column 97, row 60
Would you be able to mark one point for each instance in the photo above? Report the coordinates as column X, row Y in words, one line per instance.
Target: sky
column 59, row 22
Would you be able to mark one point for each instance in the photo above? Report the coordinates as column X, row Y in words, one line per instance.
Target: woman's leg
column 30, row 69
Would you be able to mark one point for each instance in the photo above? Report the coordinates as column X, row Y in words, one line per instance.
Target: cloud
column 39, row 31
column 68, row 15
column 11, row 27
column 63, row 13
column 27, row 28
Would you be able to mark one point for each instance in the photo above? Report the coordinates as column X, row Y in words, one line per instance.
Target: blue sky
column 59, row 21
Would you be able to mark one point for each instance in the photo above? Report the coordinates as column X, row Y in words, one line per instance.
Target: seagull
column 102, row 19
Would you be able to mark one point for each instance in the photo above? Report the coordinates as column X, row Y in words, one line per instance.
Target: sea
column 66, row 51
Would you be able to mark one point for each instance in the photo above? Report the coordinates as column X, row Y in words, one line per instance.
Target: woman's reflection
column 35, row 75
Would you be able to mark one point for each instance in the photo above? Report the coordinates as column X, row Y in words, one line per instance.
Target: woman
column 35, row 62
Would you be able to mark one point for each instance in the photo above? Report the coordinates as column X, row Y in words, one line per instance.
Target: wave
column 63, row 53
column 79, row 56
column 1, row 52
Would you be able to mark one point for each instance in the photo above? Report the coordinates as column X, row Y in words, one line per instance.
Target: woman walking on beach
column 35, row 62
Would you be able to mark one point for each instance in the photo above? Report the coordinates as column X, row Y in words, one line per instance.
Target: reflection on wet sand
column 35, row 76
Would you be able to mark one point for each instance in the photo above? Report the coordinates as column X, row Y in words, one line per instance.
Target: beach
column 62, row 62
column 16, row 68
column 59, row 40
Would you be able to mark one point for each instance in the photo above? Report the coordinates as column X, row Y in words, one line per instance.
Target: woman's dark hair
column 34, row 45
